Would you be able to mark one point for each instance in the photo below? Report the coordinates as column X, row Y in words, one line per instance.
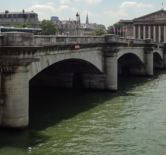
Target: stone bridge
column 66, row 61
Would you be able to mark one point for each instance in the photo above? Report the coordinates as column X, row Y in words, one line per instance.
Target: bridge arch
column 138, row 52
column 68, row 65
column 158, row 53
column 91, row 56
column 130, row 63
column 158, row 59
column 70, row 73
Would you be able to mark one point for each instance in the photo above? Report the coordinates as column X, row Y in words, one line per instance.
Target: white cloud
column 40, row 8
column 63, row 7
column 66, row 9
column 92, row 2
column 134, row 5
column 114, row 16
column 127, row 10
column 68, row 1
column 45, row 11
column 88, row 2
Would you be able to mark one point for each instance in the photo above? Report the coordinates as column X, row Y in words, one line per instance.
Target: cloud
column 45, row 11
column 66, row 9
column 68, row 1
column 127, row 10
column 88, row 2
column 134, row 5
column 92, row 2
column 41, row 8
column 114, row 15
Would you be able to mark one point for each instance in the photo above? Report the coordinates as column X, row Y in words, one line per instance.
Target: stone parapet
column 17, row 39
column 63, row 40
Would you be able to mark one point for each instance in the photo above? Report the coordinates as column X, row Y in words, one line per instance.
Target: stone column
column 154, row 33
column 144, row 32
column 134, row 32
column 139, row 32
column 148, row 51
column 126, row 31
column 111, row 69
column 164, row 33
column 121, row 34
column 149, row 32
column 16, row 101
column 159, row 29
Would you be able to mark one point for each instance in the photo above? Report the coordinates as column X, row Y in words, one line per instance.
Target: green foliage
column 24, row 25
column 117, row 25
column 111, row 28
column 48, row 28
column 99, row 32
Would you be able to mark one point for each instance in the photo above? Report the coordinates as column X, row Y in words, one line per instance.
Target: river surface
column 131, row 121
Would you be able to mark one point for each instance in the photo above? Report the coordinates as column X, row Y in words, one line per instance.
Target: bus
column 14, row 29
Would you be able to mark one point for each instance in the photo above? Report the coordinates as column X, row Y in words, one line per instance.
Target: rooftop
column 21, row 12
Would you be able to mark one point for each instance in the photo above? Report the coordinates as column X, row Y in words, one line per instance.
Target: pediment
column 156, row 16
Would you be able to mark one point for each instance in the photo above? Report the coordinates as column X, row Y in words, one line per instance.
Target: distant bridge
column 66, row 61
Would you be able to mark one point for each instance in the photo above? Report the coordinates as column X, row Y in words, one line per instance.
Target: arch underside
column 92, row 56
column 158, row 59
column 70, row 73
column 130, row 64
column 138, row 52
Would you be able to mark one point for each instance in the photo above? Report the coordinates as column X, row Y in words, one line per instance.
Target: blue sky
column 105, row 12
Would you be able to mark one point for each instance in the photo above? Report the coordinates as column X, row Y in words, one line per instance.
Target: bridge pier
column 149, row 63
column 164, row 56
column 16, row 98
column 94, row 81
column 164, row 59
column 111, row 69
column 148, row 56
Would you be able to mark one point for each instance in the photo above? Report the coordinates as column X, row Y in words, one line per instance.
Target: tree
column 114, row 27
column 48, row 28
column 23, row 26
column 110, row 29
column 99, row 32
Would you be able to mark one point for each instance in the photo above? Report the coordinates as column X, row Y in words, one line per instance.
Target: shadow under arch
column 54, row 100
column 157, row 60
column 130, row 64
column 73, row 69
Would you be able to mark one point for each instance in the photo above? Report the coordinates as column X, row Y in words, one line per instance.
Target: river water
column 131, row 121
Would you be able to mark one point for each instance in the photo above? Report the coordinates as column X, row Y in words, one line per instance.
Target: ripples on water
column 129, row 122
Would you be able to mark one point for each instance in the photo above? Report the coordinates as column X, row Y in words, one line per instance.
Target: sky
column 105, row 12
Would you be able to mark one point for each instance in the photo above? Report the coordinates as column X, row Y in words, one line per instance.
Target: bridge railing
column 63, row 40
column 43, row 40
column 28, row 39
column 115, row 38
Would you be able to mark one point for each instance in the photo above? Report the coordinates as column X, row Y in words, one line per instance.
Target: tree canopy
column 111, row 28
column 48, row 28
column 99, row 32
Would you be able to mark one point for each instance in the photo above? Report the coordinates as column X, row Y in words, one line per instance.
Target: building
column 68, row 27
column 75, row 27
column 55, row 19
column 90, row 28
column 18, row 18
column 125, row 28
column 152, row 26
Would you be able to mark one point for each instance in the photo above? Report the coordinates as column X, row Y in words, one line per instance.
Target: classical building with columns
column 152, row 26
